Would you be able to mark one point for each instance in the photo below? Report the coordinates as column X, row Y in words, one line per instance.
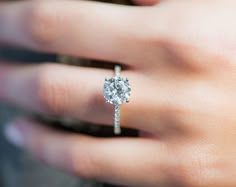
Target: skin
column 180, row 56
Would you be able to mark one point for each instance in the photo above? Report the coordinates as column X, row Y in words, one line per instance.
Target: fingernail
column 13, row 135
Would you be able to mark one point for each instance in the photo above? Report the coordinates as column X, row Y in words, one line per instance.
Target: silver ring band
column 117, row 129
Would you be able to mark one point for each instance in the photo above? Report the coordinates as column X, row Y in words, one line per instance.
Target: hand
column 181, row 64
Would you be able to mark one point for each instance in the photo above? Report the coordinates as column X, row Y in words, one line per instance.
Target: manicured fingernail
column 13, row 135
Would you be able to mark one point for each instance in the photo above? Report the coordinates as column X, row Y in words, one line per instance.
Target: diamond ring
column 116, row 91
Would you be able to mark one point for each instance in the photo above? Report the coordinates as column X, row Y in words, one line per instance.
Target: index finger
column 86, row 29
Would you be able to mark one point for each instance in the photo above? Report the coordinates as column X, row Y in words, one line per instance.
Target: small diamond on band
column 116, row 91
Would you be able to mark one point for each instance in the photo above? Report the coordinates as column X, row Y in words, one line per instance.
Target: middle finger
column 86, row 29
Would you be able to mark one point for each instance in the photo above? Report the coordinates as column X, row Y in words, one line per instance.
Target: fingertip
column 13, row 134
column 19, row 130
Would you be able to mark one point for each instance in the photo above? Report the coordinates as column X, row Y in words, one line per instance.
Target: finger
column 76, row 92
column 132, row 162
column 57, row 90
column 86, row 29
column 62, row 90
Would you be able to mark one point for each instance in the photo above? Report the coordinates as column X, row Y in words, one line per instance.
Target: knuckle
column 52, row 91
column 43, row 23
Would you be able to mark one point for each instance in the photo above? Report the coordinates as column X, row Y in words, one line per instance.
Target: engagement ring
column 117, row 91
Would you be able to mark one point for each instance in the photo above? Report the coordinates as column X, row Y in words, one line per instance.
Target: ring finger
column 76, row 92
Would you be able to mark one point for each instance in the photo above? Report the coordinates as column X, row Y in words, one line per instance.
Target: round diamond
column 116, row 90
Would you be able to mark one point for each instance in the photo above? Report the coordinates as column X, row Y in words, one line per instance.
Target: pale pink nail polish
column 13, row 135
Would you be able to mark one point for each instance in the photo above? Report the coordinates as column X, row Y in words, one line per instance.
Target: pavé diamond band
column 116, row 91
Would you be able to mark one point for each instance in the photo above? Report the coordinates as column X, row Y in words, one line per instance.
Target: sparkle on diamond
column 116, row 90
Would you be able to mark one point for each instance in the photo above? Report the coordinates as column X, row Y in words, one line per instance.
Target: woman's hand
column 181, row 64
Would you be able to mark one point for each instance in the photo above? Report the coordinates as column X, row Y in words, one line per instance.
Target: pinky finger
column 124, row 161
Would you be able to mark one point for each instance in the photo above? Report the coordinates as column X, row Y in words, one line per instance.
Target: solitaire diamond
column 116, row 90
